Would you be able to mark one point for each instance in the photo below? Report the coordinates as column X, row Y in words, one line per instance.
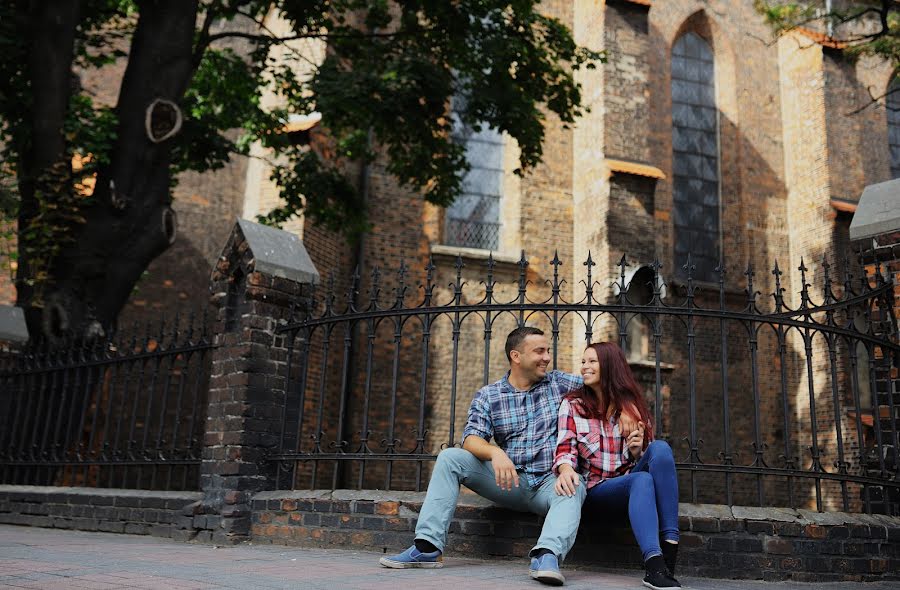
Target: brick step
column 716, row 541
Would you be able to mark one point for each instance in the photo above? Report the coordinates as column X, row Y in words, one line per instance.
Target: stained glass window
column 473, row 220
column 893, row 118
column 695, row 158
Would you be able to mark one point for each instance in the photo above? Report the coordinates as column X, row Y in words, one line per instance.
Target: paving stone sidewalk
column 50, row 559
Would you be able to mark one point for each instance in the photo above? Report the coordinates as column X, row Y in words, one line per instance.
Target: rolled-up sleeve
column 566, row 439
column 567, row 381
column 479, row 422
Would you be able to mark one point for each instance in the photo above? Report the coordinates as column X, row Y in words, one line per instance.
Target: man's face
column 533, row 357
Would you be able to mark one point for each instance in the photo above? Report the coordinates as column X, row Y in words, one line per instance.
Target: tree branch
column 203, row 39
column 875, row 100
column 325, row 36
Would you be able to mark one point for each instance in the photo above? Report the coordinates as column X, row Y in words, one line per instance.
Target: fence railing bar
column 127, row 359
column 876, row 417
column 759, row 447
column 813, row 417
column 367, row 398
column 841, row 464
column 605, row 309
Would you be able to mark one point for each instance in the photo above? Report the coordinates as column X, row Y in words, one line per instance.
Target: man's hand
column 567, row 481
column 504, row 470
column 635, row 441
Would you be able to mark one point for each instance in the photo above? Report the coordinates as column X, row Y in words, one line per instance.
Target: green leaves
column 224, row 96
column 397, row 73
column 383, row 86
column 863, row 27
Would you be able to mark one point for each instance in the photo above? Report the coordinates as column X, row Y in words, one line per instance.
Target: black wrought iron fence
column 764, row 401
column 126, row 411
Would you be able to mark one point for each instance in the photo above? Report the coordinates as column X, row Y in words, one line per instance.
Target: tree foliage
column 383, row 86
column 860, row 27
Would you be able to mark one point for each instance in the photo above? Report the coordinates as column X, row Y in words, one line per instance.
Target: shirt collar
column 510, row 388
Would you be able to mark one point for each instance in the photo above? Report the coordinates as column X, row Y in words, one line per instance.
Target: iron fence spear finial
column 779, row 290
column 804, row 286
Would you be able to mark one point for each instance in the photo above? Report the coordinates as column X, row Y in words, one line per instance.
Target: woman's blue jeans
column 650, row 494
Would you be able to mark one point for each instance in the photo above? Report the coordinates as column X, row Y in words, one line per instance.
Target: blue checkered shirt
column 523, row 423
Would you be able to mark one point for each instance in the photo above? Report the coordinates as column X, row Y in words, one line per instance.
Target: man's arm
column 481, row 448
column 479, row 430
column 504, row 470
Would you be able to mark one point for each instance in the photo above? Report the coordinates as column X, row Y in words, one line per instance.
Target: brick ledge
column 717, row 541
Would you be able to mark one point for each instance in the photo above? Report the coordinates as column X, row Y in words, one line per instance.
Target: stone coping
column 717, row 511
column 76, row 492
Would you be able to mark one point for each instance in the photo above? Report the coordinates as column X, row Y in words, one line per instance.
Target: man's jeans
column 459, row 466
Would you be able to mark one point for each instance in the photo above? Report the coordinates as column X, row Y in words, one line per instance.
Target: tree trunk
column 44, row 166
column 130, row 221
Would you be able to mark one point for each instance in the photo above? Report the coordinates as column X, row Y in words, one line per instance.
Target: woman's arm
column 566, row 438
column 566, row 452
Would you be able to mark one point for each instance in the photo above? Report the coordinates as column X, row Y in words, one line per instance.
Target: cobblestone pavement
column 50, row 559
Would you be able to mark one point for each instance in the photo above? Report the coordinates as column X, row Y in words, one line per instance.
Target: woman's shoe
column 658, row 577
column 670, row 554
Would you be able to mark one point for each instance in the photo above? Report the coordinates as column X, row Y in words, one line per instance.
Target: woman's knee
column 660, row 449
column 641, row 481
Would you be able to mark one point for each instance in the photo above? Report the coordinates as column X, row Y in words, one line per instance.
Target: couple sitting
column 602, row 457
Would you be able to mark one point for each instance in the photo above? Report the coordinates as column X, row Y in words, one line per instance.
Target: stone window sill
column 448, row 254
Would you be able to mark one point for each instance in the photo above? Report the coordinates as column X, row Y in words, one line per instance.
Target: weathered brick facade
column 787, row 147
column 785, row 139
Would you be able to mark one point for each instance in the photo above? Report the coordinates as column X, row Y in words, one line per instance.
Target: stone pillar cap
column 12, row 324
column 878, row 212
column 278, row 253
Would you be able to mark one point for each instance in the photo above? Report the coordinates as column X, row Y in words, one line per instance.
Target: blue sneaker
column 412, row 557
column 545, row 569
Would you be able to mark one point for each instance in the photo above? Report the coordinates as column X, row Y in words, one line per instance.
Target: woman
column 621, row 469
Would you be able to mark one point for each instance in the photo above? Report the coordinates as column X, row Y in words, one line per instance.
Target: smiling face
column 590, row 367
column 531, row 358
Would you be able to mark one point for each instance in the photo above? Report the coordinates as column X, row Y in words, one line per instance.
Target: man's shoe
column 412, row 557
column 660, row 581
column 545, row 569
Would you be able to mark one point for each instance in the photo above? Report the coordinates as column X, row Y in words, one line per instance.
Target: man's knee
column 578, row 498
column 453, row 458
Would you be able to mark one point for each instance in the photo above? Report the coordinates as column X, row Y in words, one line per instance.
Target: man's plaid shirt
column 594, row 448
column 523, row 423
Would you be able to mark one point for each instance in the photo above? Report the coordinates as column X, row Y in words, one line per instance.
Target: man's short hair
column 517, row 336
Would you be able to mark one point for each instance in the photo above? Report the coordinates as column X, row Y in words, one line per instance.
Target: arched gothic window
column 473, row 220
column 695, row 157
column 893, row 120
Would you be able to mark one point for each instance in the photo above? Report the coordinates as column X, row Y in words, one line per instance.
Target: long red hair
column 618, row 390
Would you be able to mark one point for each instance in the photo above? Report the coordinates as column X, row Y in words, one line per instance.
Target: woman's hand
column 635, row 441
column 626, row 423
column 567, row 481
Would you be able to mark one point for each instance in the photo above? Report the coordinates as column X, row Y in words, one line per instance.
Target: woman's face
column 590, row 367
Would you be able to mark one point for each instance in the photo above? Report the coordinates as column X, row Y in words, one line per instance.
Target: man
column 520, row 413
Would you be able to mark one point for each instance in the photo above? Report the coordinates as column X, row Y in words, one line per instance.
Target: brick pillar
column 262, row 275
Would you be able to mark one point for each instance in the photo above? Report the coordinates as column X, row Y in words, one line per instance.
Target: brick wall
column 135, row 512
column 626, row 81
column 716, row 541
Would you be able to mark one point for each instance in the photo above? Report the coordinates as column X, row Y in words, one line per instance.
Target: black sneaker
column 670, row 554
column 659, row 580
column 658, row 577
